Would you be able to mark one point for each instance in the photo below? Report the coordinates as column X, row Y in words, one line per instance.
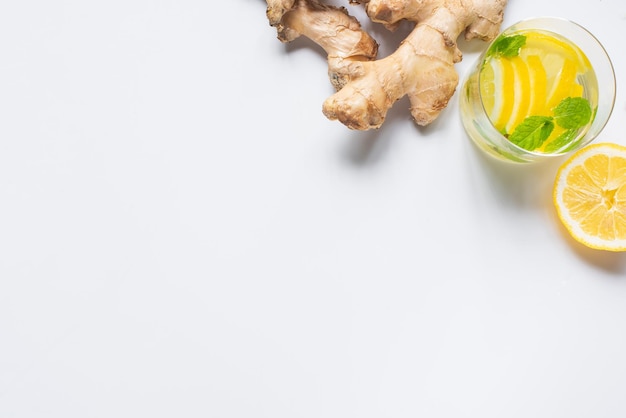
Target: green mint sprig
column 572, row 113
column 532, row 132
column 507, row 46
column 561, row 141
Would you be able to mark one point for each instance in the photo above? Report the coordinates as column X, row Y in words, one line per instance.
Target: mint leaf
column 532, row 132
column 507, row 46
column 572, row 113
column 560, row 141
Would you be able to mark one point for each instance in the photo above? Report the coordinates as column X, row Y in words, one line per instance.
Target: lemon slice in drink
column 563, row 85
column 561, row 62
column 519, row 90
column 538, row 80
column 521, row 93
column 546, row 44
column 590, row 196
column 497, row 88
column 488, row 88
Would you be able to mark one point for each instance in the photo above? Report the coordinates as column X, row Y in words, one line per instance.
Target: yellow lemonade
column 538, row 90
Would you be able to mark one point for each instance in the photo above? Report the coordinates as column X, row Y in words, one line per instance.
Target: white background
column 184, row 234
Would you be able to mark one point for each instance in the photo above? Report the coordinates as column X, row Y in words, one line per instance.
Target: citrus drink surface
column 539, row 90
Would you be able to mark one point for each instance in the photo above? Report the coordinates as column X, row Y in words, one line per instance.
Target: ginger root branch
column 422, row 67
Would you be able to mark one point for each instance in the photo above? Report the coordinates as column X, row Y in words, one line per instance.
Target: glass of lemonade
column 545, row 87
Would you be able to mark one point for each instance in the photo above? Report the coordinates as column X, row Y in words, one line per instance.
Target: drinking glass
column 601, row 83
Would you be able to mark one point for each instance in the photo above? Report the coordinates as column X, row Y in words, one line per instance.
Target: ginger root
column 422, row 67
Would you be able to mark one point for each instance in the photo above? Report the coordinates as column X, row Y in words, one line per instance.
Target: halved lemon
column 590, row 196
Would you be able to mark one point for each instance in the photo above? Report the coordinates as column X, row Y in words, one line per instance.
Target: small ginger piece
column 338, row 33
column 422, row 67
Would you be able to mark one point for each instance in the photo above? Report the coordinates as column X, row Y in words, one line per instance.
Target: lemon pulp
column 590, row 196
